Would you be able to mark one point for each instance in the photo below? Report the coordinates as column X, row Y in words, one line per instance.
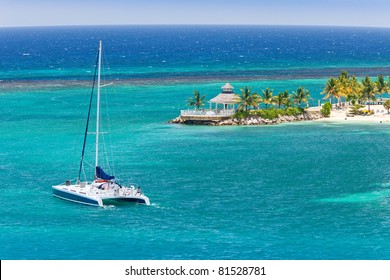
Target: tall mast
column 98, row 105
column 89, row 114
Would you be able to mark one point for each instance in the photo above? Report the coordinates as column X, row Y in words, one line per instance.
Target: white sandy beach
column 340, row 115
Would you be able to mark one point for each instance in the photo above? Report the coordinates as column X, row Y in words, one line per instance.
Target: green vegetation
column 355, row 109
column 369, row 90
column 326, row 109
column 381, row 86
column 196, row 101
column 267, row 97
column 331, row 89
column 270, row 113
column 301, row 96
column 248, row 99
column 349, row 88
column 241, row 114
column 386, row 105
column 293, row 111
column 279, row 100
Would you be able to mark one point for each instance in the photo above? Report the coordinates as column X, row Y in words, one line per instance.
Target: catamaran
column 104, row 189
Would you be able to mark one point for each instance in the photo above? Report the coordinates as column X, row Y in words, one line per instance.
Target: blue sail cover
column 103, row 175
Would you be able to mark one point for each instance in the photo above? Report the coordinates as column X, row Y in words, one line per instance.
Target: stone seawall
column 252, row 120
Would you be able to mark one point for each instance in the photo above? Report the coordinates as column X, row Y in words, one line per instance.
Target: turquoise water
column 292, row 191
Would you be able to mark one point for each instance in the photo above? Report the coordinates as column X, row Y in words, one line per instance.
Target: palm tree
column 267, row 97
column 302, row 95
column 355, row 90
column 280, row 99
column 196, row 101
column 287, row 99
column 368, row 91
column 248, row 99
column 288, row 102
column 386, row 105
column 331, row 89
column 343, row 85
column 388, row 85
column 381, row 86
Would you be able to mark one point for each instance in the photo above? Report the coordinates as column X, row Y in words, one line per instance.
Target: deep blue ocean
column 310, row 190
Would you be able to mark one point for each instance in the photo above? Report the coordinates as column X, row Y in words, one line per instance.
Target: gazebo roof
column 226, row 98
column 227, row 88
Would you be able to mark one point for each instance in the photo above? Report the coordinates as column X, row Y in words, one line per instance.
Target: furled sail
column 100, row 174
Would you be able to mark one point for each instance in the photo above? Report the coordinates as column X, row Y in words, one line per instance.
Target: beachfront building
column 227, row 98
column 221, row 107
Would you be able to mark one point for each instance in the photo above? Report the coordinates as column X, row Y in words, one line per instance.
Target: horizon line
column 193, row 24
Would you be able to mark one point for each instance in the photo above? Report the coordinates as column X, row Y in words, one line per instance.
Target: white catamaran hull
column 90, row 194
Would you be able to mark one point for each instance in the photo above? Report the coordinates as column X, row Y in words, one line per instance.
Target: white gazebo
column 227, row 98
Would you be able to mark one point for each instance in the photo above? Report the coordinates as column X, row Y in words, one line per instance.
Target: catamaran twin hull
column 91, row 194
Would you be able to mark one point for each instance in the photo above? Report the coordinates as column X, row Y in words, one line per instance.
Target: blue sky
column 283, row 12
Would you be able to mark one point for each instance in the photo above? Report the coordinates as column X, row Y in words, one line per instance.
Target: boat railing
column 222, row 113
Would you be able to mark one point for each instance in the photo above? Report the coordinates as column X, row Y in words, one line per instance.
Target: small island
column 355, row 100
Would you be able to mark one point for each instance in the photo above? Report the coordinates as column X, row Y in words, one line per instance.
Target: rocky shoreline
column 252, row 120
